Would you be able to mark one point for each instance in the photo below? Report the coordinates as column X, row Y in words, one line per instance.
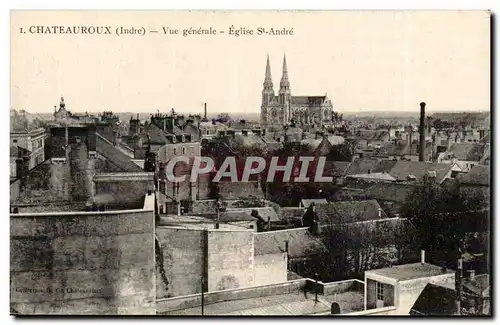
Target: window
column 175, row 151
column 14, row 141
column 380, row 291
column 183, row 150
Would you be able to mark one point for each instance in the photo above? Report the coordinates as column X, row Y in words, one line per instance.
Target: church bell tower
column 285, row 93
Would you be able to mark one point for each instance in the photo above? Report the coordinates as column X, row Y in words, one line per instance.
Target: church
column 278, row 111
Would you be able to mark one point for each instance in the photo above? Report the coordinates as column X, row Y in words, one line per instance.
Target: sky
column 363, row 60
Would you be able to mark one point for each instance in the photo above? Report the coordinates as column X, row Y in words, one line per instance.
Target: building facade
column 285, row 109
column 31, row 140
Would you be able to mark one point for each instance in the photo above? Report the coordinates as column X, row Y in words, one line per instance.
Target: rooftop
column 300, row 243
column 279, row 305
column 340, row 212
column 409, row 271
column 379, row 176
column 478, row 175
column 395, row 192
column 115, row 156
column 195, row 223
column 435, row 300
column 468, row 151
column 307, row 202
column 291, row 298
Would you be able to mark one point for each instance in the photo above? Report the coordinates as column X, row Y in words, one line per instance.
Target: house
column 437, row 300
column 403, row 150
column 403, row 170
column 344, row 212
column 362, row 166
column 305, row 203
column 291, row 215
column 477, row 294
column 400, row 286
column 111, row 159
column 400, row 170
column 371, row 138
column 391, row 196
column 19, row 162
column 368, row 179
column 465, row 155
column 32, row 140
column 228, row 190
column 476, row 183
column 209, row 130
column 336, row 170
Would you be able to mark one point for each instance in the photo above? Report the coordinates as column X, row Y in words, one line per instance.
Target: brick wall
column 83, row 263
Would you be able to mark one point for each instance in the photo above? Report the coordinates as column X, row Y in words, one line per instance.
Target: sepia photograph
column 250, row 163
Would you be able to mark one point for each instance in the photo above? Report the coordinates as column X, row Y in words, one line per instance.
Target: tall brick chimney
column 421, row 153
column 205, row 116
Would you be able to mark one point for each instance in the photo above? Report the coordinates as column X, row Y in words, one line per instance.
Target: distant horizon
column 395, row 112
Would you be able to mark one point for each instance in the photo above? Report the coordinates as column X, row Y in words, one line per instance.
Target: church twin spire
column 268, row 82
column 285, row 83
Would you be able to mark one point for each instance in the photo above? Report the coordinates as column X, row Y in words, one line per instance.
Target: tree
column 343, row 152
column 352, row 248
column 442, row 219
column 223, row 118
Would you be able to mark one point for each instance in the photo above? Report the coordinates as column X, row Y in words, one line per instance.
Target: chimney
column 379, row 212
column 66, row 149
column 205, row 116
column 431, row 176
column 422, row 256
column 458, row 286
column 472, row 274
column 421, row 153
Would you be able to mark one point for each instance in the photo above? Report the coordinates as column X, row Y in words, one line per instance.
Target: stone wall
column 225, row 259
column 183, row 259
column 270, row 269
column 230, row 260
column 127, row 188
column 47, row 183
column 83, row 262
